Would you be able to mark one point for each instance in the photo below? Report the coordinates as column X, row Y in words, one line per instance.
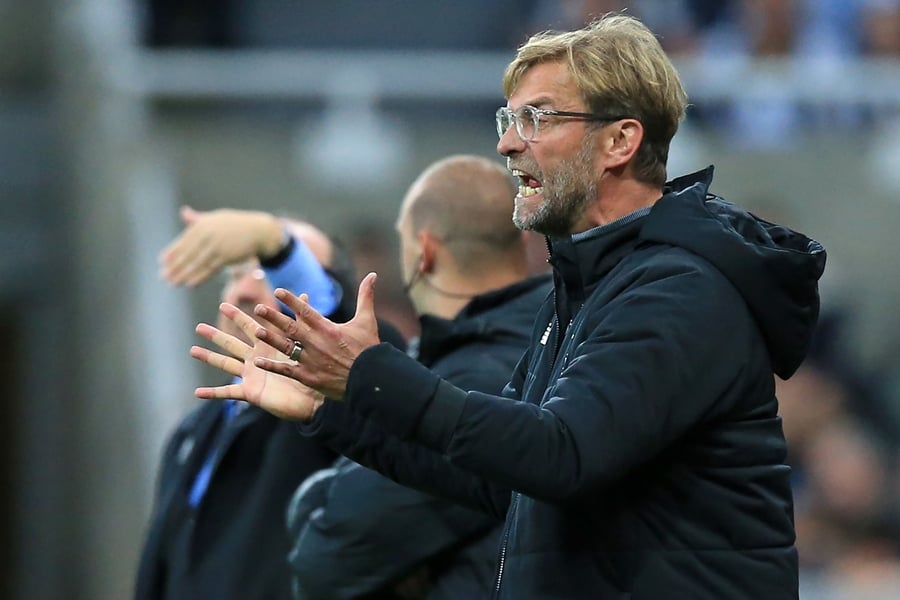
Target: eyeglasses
column 238, row 271
column 528, row 119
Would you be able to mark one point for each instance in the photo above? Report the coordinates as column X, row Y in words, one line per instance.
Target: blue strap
column 300, row 272
column 230, row 408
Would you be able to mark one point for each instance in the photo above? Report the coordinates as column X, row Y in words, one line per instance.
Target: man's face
column 246, row 286
column 556, row 170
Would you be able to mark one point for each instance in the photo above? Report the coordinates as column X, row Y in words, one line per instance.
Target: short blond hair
column 618, row 67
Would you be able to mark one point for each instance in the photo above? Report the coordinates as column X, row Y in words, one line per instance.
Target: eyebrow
column 539, row 102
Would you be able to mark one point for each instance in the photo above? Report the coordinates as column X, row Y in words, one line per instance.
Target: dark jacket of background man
column 356, row 533
column 233, row 543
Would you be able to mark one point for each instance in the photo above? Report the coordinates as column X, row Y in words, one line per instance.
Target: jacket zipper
column 502, row 561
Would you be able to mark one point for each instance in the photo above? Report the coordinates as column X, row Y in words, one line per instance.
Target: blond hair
column 618, row 67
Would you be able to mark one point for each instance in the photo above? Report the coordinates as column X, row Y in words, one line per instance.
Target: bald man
column 466, row 270
column 229, row 470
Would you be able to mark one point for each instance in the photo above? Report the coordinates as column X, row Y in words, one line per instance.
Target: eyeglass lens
column 526, row 120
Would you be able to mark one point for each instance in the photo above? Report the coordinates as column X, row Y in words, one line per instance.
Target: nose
column 510, row 143
column 247, row 289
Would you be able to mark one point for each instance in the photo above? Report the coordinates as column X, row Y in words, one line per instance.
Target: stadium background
column 115, row 112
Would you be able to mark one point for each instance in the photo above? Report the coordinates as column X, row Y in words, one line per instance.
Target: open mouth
column 528, row 185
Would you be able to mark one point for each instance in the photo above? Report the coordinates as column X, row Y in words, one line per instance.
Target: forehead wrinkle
column 541, row 101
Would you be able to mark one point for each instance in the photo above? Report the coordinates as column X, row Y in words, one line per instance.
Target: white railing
column 429, row 75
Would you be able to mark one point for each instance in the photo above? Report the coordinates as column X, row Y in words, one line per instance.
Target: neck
column 444, row 296
column 617, row 198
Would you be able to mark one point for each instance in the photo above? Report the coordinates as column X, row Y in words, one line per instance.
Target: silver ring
column 295, row 353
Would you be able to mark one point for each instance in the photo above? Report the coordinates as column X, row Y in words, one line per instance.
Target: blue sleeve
column 300, row 272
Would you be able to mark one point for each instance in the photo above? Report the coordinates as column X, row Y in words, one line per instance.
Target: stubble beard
column 568, row 191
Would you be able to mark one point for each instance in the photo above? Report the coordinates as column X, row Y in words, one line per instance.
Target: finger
column 311, row 378
column 188, row 214
column 186, row 248
column 293, row 302
column 286, row 368
column 168, row 257
column 365, row 297
column 279, row 323
column 225, row 341
column 273, row 338
column 180, row 257
column 230, row 365
column 245, row 322
column 234, row 391
column 304, row 312
column 205, row 262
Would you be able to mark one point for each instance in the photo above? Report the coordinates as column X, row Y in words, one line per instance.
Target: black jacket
column 234, row 543
column 356, row 533
column 640, row 433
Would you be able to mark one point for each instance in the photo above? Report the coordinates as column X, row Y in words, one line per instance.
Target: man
column 358, row 534
column 639, row 435
column 228, row 472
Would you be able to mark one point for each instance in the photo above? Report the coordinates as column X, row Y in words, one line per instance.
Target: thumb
column 188, row 214
column 365, row 299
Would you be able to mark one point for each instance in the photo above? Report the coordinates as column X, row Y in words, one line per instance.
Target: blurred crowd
column 819, row 28
column 842, row 422
column 842, row 428
column 725, row 35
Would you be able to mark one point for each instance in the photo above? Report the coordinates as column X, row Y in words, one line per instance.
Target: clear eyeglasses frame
column 528, row 119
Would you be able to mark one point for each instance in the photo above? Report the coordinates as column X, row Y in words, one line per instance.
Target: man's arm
column 643, row 377
column 295, row 267
column 213, row 240
column 655, row 367
column 351, row 434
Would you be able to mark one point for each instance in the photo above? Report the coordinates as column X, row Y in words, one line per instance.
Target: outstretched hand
column 215, row 239
column 282, row 396
column 329, row 349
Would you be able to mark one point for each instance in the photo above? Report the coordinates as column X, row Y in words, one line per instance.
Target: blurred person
column 228, row 471
column 355, row 532
column 636, row 451
column 881, row 27
column 847, row 526
column 671, row 20
column 772, row 39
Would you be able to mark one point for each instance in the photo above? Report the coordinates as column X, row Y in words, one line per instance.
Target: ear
column 429, row 244
column 623, row 142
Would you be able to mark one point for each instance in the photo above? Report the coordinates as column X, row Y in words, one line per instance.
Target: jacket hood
column 774, row 268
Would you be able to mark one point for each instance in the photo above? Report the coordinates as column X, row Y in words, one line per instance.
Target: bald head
column 467, row 202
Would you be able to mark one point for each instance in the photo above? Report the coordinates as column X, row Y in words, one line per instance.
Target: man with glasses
column 636, row 451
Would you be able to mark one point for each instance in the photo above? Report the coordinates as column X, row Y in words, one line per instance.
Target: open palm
column 281, row 396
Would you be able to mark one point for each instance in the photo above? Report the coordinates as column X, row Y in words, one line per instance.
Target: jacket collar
column 581, row 260
column 439, row 336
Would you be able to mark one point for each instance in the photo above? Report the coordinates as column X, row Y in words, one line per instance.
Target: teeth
column 517, row 173
column 525, row 190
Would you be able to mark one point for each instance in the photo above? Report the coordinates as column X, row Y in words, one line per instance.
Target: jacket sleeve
column 651, row 367
column 369, row 532
column 408, row 463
